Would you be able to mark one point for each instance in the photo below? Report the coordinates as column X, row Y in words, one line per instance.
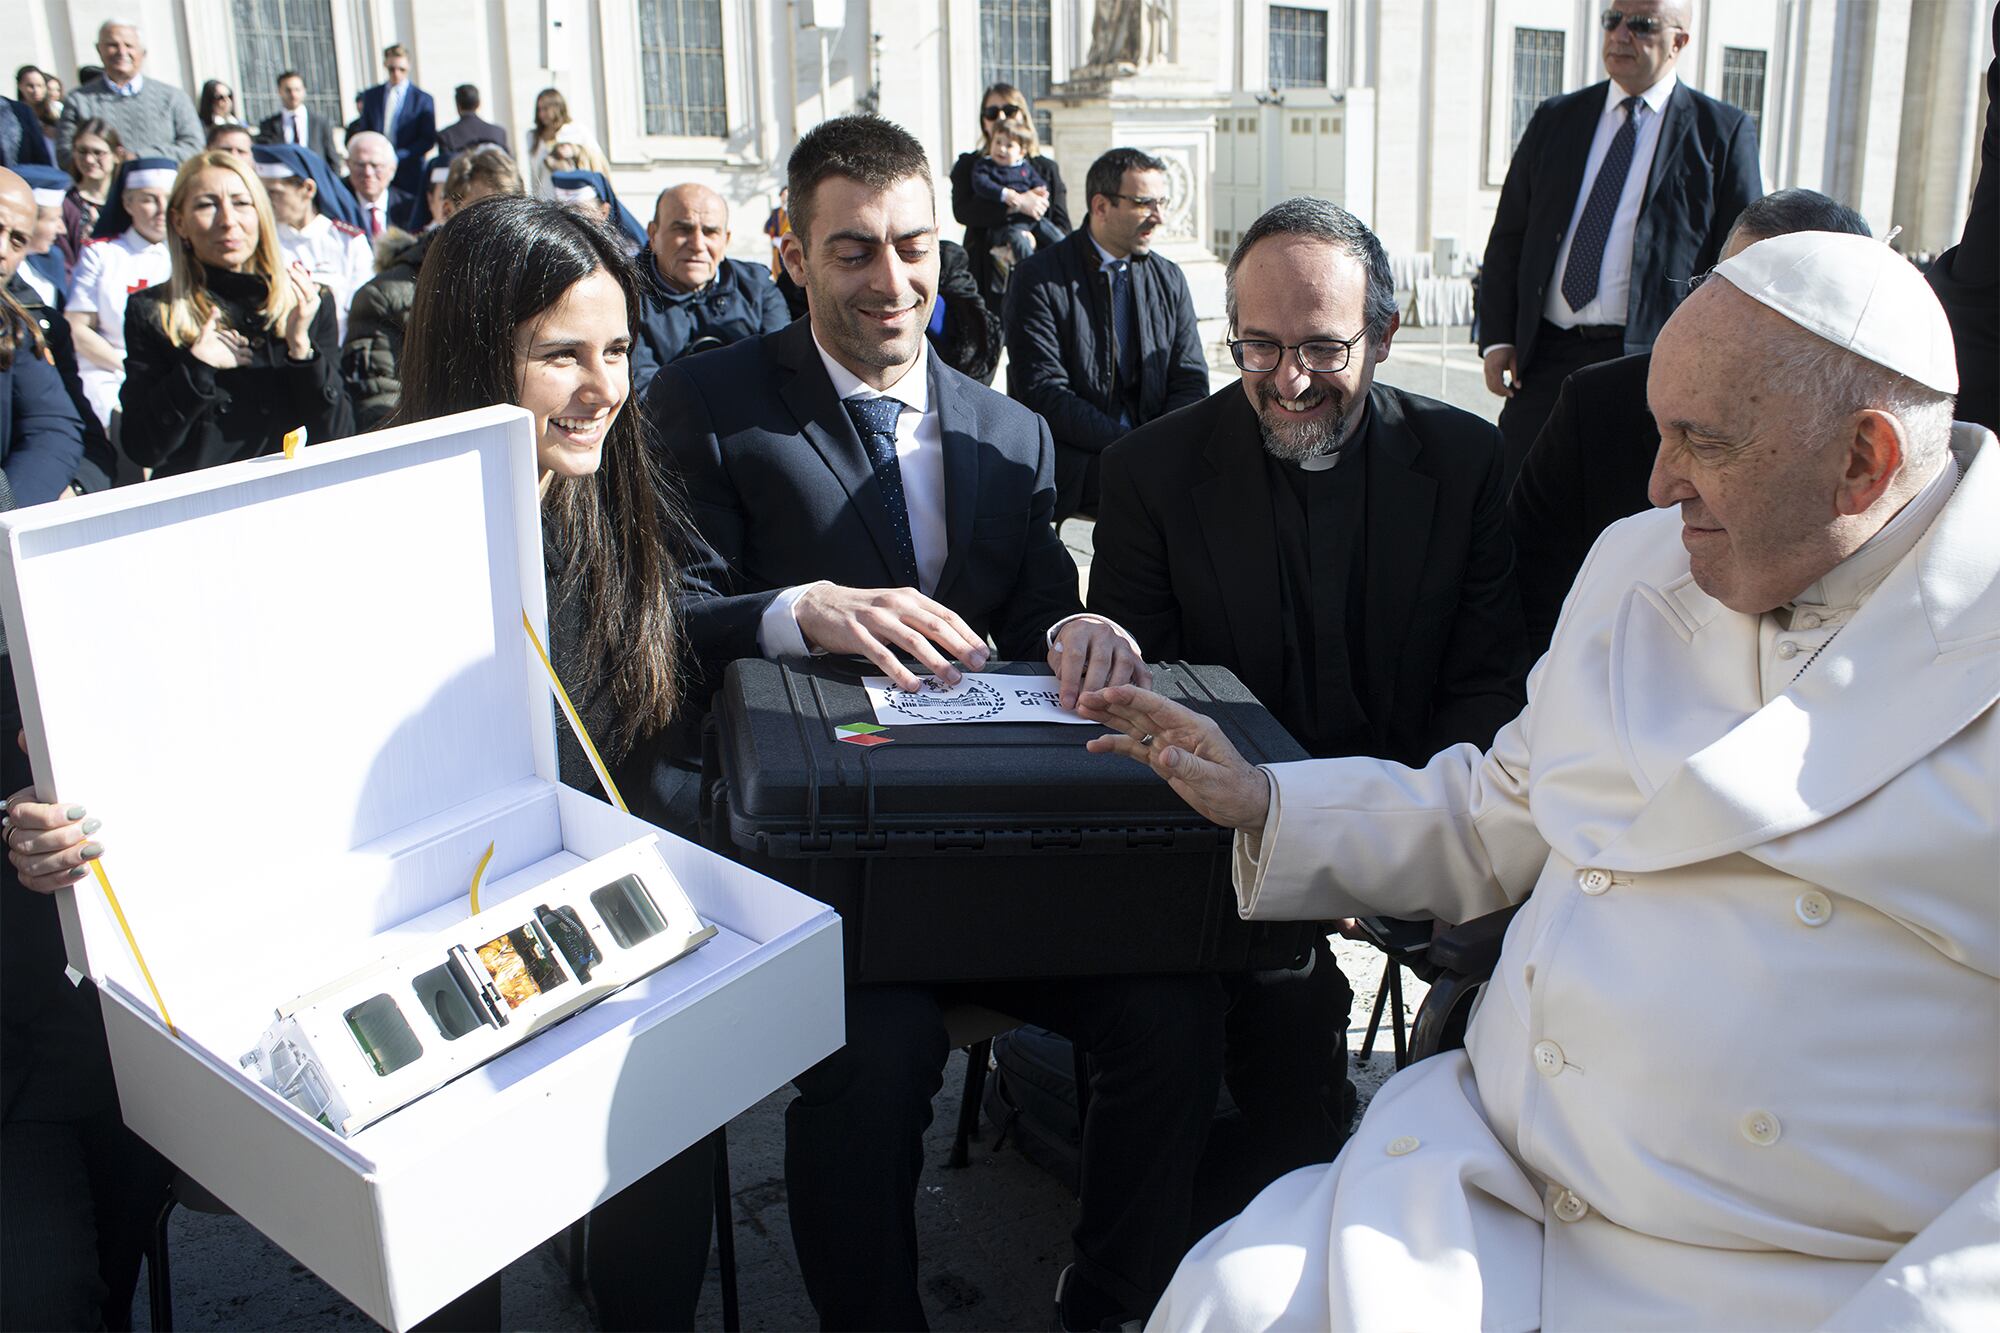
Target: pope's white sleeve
column 1947, row 1277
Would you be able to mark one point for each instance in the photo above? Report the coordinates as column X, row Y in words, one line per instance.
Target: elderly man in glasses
column 1617, row 195
column 1342, row 547
column 1101, row 335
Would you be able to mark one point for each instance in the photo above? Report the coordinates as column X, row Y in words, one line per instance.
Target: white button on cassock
column 1807, row 620
column 1814, row 908
column 1403, row 1146
column 1569, row 1208
column 1593, row 881
column 1762, row 1128
column 1548, row 1059
column 1787, row 649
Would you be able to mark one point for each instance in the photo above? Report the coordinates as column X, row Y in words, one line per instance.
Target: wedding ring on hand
column 1146, row 739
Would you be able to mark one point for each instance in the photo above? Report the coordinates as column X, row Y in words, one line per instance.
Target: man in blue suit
column 1617, row 195
column 852, row 494
column 405, row 115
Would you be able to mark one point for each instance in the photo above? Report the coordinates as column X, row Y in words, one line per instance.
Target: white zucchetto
column 1856, row 293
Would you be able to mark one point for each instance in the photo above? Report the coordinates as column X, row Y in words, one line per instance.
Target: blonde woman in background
column 238, row 348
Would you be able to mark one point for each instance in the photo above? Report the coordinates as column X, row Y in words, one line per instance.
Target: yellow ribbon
column 104, row 882
column 575, row 719
column 294, row 439
column 480, row 874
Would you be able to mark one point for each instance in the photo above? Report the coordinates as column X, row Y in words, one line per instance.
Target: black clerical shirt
column 1320, row 519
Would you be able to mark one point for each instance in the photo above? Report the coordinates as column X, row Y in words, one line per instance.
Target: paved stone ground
column 995, row 1234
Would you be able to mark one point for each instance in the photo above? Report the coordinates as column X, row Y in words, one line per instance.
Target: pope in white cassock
column 1739, row 1065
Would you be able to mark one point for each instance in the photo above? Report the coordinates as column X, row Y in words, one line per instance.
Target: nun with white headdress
column 320, row 222
column 126, row 254
column 1737, row 1065
column 591, row 192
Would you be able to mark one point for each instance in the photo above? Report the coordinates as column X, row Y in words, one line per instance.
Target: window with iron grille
column 680, row 58
column 273, row 36
column 1014, row 48
column 1298, row 47
column 1538, row 76
column 1743, row 82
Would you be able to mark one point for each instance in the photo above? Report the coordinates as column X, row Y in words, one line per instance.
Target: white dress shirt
column 295, row 127
column 1614, row 279
column 920, row 455
column 1790, row 637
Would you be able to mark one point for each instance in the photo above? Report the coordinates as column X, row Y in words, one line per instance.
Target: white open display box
column 300, row 695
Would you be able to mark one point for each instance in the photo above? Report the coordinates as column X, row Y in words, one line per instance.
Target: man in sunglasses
column 1617, row 195
column 1341, row 546
column 1101, row 332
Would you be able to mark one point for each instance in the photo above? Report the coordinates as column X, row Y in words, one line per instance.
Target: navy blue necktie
column 1125, row 324
column 875, row 422
column 1586, row 248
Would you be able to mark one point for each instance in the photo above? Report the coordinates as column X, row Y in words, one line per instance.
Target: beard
column 1290, row 440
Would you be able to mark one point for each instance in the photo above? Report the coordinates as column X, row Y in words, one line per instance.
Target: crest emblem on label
column 970, row 700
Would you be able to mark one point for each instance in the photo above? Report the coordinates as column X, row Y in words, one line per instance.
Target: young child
column 1005, row 167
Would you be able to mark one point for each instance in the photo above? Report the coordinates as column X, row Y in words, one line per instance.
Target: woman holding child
column 1009, row 193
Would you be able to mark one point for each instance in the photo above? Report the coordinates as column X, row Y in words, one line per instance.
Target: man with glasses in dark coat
column 1101, row 335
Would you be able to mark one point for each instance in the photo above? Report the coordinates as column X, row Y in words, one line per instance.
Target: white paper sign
column 977, row 697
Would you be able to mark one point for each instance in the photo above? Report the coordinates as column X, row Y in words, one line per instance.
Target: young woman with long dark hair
column 552, row 329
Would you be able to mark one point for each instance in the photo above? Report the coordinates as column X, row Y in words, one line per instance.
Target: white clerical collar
column 1654, row 97
column 1848, row 583
column 912, row 389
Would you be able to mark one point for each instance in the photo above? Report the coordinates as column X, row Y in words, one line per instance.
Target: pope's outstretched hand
column 1185, row 748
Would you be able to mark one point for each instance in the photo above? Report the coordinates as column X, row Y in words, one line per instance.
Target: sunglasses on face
column 995, row 112
column 1637, row 25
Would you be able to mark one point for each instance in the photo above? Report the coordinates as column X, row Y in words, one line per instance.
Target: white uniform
column 1739, row 1065
column 339, row 256
column 108, row 271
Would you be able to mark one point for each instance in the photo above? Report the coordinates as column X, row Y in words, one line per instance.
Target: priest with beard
column 1340, row 545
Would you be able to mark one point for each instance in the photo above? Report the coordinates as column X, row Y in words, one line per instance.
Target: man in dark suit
column 1341, row 546
column 1617, row 195
column 852, row 494
column 469, row 128
column 1589, row 466
column 1101, row 332
column 371, row 169
column 404, row 114
column 294, row 122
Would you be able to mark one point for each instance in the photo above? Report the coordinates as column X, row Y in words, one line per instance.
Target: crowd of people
column 1756, row 724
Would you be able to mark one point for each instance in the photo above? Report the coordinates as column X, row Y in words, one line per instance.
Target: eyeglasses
column 1636, row 24
column 1318, row 356
column 1146, row 202
column 995, row 112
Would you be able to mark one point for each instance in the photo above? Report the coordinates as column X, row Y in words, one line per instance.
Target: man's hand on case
column 876, row 623
column 1186, row 749
column 1090, row 653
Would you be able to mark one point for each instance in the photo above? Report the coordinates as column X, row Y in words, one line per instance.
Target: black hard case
column 982, row 852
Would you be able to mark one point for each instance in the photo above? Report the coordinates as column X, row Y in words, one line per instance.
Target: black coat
column 971, row 340
column 1704, row 172
column 984, row 217
column 1966, row 277
column 1059, row 351
column 319, row 132
column 741, row 302
column 780, row 492
column 467, row 130
column 1187, row 560
column 100, row 461
column 1588, row 469
column 182, row 414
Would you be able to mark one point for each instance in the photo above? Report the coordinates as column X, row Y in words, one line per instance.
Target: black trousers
column 1285, row 1066
column 80, row 1197
column 854, row 1150
column 1558, row 354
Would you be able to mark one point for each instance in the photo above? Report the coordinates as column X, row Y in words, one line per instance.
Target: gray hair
column 1838, row 383
column 371, row 139
column 1785, row 211
column 1323, row 221
column 111, row 23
